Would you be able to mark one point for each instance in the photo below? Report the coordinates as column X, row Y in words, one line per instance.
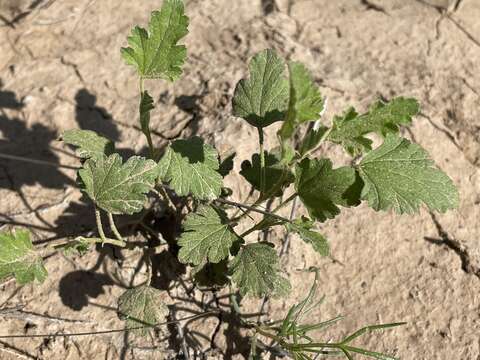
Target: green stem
column 114, row 227
column 98, row 219
column 252, row 208
column 262, row 161
column 146, row 129
column 102, row 241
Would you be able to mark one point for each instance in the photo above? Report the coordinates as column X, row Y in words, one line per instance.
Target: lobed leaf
column 155, row 52
column 303, row 228
column 305, row 104
column 401, row 175
column 262, row 99
column 277, row 175
column 192, row 167
column 19, row 258
column 89, row 144
column 142, row 308
column 255, row 270
column 322, row 189
column 206, row 237
column 119, row 188
column 382, row 118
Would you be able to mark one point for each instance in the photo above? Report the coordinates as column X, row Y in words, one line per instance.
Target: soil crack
column 448, row 241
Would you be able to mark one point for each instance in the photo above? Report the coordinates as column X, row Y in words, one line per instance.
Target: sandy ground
column 60, row 68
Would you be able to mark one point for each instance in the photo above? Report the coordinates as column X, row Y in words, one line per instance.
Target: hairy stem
column 114, row 227
column 262, row 161
column 252, row 208
column 98, row 219
column 146, row 129
column 100, row 240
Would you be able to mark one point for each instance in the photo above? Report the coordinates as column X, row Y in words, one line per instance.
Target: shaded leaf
column 322, row 189
column 262, row 99
column 19, row 258
column 401, row 175
column 119, row 188
column 303, row 227
column 212, row 275
column 155, row 54
column 382, row 118
column 89, row 144
column 206, row 237
column 305, row 102
column 255, row 270
column 312, row 139
column 277, row 175
column 142, row 307
column 191, row 167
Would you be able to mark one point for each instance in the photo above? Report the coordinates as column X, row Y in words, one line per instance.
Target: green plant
column 395, row 175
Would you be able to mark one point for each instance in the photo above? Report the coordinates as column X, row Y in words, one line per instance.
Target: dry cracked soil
column 60, row 68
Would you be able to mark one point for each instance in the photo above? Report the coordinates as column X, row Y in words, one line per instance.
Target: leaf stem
column 114, row 227
column 105, row 240
column 261, row 141
column 252, row 208
column 98, row 219
column 322, row 140
column 146, row 129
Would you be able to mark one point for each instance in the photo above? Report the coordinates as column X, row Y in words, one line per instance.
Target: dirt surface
column 60, row 68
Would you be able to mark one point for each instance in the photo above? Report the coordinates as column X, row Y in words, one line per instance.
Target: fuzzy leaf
column 262, row 99
column 303, row 228
column 305, row 102
column 401, row 175
column 277, row 175
column 19, row 258
column 142, row 306
column 191, row 167
column 89, row 144
column 119, row 188
column 155, row 53
column 255, row 270
column 206, row 237
column 321, row 188
column 382, row 118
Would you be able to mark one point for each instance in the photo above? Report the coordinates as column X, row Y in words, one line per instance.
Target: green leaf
column 305, row 103
column 401, row 175
column 191, row 167
column 382, row 118
column 321, row 188
column 19, row 258
column 303, row 228
column 262, row 99
column 142, row 308
column 146, row 105
column 206, row 237
column 77, row 246
column 89, row 144
column 312, row 139
column 119, row 188
column 155, row 53
column 255, row 270
column 277, row 175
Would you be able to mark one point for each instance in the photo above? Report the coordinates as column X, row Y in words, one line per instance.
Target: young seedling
column 396, row 175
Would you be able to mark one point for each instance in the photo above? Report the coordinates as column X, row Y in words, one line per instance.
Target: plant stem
column 98, row 219
column 322, row 140
column 262, row 161
column 252, row 208
column 114, row 227
column 145, row 127
column 100, row 240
